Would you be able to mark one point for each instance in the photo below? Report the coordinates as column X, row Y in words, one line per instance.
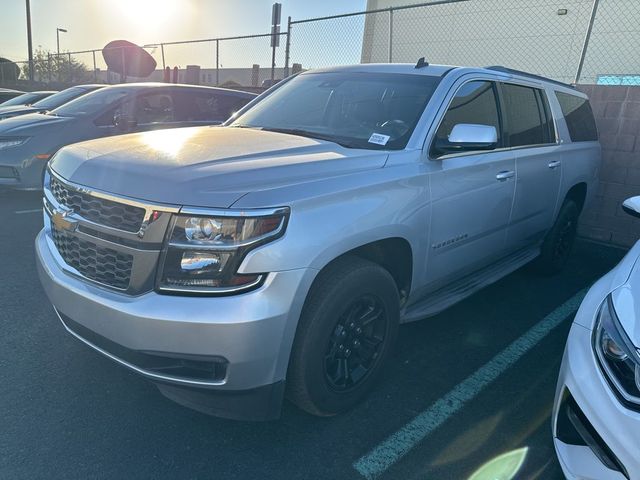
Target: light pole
column 58, row 30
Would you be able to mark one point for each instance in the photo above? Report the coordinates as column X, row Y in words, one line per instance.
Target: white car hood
column 626, row 301
column 206, row 166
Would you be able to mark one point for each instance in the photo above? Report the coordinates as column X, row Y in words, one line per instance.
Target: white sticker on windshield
column 379, row 139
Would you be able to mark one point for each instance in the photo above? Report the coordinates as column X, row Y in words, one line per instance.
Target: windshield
column 93, row 102
column 23, row 99
column 60, row 98
column 356, row 110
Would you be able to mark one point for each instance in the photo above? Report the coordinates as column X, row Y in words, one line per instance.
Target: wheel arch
column 577, row 193
column 394, row 254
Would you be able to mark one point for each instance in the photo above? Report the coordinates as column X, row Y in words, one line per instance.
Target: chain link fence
column 575, row 41
column 613, row 49
column 336, row 40
column 233, row 61
column 244, row 61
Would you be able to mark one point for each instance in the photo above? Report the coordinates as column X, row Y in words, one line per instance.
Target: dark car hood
column 24, row 124
column 206, row 166
column 17, row 110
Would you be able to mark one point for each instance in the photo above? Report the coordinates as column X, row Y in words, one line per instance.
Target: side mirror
column 468, row 137
column 124, row 122
column 632, row 206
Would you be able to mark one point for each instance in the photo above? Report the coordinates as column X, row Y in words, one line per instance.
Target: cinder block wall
column 617, row 112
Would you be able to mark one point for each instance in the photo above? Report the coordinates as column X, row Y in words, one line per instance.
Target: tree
column 49, row 66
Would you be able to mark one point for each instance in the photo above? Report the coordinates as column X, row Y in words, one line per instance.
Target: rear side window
column 227, row 105
column 579, row 117
column 203, row 106
column 475, row 102
column 153, row 107
column 527, row 119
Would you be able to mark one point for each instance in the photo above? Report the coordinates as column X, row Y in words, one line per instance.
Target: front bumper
column 19, row 174
column 252, row 333
column 615, row 430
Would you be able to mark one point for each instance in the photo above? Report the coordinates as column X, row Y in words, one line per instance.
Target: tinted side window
column 156, row 107
column 579, row 117
column 106, row 119
column 230, row 104
column 475, row 102
column 206, row 106
column 525, row 118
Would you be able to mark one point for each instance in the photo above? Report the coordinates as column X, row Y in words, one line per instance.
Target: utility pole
column 587, row 37
column 29, row 42
column 276, row 15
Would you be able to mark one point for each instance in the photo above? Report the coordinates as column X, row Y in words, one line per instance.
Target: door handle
column 554, row 164
column 505, row 175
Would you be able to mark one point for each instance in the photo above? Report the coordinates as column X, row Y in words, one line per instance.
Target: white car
column 596, row 416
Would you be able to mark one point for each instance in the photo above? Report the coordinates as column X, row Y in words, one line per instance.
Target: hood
column 626, row 301
column 16, row 110
column 206, row 166
column 24, row 124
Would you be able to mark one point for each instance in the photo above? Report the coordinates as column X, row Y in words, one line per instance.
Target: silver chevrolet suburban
column 276, row 256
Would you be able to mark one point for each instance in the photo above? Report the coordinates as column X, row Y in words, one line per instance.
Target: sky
column 93, row 23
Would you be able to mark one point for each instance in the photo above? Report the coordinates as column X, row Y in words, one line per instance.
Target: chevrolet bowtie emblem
column 61, row 222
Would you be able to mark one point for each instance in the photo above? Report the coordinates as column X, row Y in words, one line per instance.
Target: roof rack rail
column 500, row 68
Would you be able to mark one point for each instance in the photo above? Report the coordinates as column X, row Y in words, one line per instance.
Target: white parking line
column 35, row 210
column 387, row 453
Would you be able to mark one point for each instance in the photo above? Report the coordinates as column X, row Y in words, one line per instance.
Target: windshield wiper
column 305, row 133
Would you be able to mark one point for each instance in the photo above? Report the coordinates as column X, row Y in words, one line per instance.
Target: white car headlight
column 202, row 254
column 8, row 142
column 619, row 359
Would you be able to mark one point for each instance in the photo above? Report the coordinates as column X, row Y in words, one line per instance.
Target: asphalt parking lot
column 461, row 390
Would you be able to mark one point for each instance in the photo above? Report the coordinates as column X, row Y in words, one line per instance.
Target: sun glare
column 147, row 15
column 168, row 142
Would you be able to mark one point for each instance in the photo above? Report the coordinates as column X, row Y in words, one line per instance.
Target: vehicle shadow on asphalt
column 68, row 412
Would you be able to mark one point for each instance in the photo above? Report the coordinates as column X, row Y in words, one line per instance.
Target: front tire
column 558, row 243
column 347, row 329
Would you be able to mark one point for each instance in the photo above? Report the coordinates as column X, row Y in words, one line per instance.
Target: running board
column 442, row 299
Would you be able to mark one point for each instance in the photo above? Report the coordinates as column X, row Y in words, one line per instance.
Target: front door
column 472, row 192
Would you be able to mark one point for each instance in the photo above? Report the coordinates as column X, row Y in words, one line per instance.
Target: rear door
column 530, row 133
column 472, row 192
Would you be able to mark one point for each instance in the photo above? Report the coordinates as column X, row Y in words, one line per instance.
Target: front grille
column 100, row 264
column 574, row 428
column 98, row 210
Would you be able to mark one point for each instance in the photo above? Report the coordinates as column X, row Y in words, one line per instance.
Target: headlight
column 202, row 254
column 8, row 142
column 618, row 357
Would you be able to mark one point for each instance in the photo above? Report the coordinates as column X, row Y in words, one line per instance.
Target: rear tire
column 347, row 329
column 558, row 243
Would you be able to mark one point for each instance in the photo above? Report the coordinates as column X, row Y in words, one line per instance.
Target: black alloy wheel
column 354, row 346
